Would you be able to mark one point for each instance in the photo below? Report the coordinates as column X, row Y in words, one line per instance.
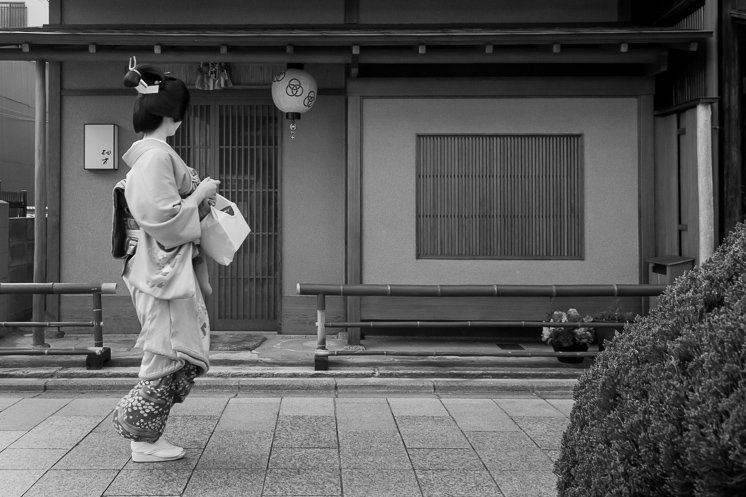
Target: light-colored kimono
column 160, row 276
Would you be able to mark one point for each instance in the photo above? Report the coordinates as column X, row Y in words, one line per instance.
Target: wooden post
column 54, row 161
column 353, row 266
column 646, row 184
column 40, row 197
column 704, row 183
column 731, row 177
column 321, row 356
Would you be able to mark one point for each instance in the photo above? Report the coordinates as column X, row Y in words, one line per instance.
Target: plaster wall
column 487, row 11
column 313, row 193
column 247, row 12
column 609, row 129
column 202, row 13
column 86, row 205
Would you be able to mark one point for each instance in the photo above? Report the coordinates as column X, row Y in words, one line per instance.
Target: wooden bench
column 97, row 355
column 322, row 354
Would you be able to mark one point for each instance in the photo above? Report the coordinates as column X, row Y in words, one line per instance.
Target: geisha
column 164, row 203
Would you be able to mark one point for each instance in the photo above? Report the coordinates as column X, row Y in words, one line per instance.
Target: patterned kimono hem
column 142, row 414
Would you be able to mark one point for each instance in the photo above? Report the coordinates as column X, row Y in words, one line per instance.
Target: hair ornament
column 137, row 80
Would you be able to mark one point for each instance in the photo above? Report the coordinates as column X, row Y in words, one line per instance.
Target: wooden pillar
column 646, row 183
column 353, row 255
column 731, row 173
column 54, row 175
column 40, row 197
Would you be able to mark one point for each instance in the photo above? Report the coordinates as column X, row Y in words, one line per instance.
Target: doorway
column 238, row 142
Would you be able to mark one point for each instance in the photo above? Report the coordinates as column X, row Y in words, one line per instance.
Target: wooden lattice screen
column 500, row 196
column 13, row 15
column 239, row 145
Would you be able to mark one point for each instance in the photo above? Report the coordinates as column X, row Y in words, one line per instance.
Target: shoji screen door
column 239, row 144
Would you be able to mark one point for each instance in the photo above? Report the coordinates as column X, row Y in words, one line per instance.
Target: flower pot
column 576, row 347
column 603, row 334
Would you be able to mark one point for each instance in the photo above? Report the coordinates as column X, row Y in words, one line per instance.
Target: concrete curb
column 310, row 386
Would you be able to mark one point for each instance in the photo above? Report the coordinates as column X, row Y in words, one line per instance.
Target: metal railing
column 96, row 355
column 322, row 354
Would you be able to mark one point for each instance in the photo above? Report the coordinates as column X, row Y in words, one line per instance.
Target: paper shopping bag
column 224, row 229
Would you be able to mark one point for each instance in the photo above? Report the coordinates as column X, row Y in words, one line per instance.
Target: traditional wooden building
column 475, row 142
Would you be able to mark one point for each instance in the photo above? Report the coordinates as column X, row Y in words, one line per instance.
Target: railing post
column 321, row 356
column 96, row 361
column 98, row 318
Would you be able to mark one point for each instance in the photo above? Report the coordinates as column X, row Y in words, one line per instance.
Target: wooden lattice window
column 500, row 196
column 13, row 15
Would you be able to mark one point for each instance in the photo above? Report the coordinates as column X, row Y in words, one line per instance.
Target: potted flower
column 568, row 339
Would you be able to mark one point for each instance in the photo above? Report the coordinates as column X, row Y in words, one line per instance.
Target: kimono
column 160, row 277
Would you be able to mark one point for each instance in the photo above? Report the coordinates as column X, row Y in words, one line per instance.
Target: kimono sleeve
column 153, row 198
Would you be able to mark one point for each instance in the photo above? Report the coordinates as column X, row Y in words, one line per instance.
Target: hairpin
column 142, row 87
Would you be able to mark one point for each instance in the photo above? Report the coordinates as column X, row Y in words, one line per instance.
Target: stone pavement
column 58, row 443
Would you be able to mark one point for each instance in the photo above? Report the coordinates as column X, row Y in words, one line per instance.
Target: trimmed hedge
column 662, row 411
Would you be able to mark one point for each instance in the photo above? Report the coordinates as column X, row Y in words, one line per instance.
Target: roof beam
column 334, row 55
column 336, row 35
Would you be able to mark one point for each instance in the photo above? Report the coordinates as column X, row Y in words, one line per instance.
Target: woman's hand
column 208, row 188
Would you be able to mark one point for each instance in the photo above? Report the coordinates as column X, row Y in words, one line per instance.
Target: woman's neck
column 156, row 135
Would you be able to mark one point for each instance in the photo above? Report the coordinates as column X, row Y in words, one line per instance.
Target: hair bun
column 145, row 78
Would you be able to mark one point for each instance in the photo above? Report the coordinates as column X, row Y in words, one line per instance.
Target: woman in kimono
column 166, row 203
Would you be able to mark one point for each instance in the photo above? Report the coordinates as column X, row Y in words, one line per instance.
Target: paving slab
column 364, row 416
column 72, row 483
column 306, row 431
column 6, row 402
column 237, row 449
column 8, row 437
column 546, row 432
column 435, row 432
column 16, row 482
column 479, row 415
column 316, row 481
column 373, row 450
column 417, row 407
column 149, row 482
column 222, row 482
column 303, row 458
column 58, row 432
column 526, row 483
column 249, row 414
column 529, row 407
column 457, row 483
column 29, row 412
column 190, row 431
column 446, row 459
column 381, row 483
column 30, row 458
column 307, row 406
column 96, row 451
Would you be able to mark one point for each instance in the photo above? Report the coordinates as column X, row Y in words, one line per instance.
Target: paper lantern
column 294, row 92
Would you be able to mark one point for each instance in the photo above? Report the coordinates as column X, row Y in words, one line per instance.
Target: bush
column 662, row 411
